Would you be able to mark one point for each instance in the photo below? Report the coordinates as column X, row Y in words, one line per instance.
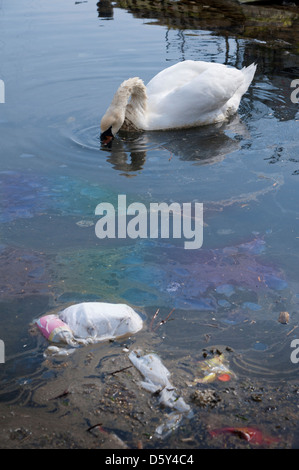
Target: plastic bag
column 156, row 377
column 92, row 322
column 89, row 322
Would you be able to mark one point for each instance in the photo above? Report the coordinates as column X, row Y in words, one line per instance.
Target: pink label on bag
column 49, row 323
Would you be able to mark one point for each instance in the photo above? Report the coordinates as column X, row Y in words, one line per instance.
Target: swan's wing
column 176, row 76
column 199, row 100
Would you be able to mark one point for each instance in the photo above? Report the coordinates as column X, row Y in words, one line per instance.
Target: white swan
column 187, row 94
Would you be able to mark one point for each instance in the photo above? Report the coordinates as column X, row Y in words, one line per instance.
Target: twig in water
column 296, row 326
column 156, row 314
column 164, row 321
column 119, row 370
column 94, row 426
column 61, row 395
column 209, row 324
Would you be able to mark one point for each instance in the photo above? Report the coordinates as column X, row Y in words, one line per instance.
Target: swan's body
column 187, row 94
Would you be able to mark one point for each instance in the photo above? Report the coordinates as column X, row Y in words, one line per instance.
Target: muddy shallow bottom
column 93, row 399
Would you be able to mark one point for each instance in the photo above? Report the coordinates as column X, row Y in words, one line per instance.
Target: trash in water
column 58, row 351
column 249, row 434
column 89, row 322
column 156, row 381
column 284, row 317
column 205, row 397
column 54, row 329
column 98, row 321
column 214, row 368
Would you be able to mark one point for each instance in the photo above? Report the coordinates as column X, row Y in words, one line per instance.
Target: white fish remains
column 156, row 377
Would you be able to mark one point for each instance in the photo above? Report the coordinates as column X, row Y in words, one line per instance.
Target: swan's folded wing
column 176, row 75
column 198, row 101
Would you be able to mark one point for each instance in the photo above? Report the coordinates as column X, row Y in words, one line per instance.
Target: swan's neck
column 122, row 96
column 128, row 108
column 132, row 97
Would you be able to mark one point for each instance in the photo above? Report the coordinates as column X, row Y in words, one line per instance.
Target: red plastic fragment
column 224, row 377
column 249, row 434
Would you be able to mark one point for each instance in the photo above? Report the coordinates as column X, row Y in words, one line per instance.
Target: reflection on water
column 271, row 23
column 207, row 145
column 105, row 9
column 70, row 60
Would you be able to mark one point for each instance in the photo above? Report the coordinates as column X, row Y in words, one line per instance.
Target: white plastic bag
column 92, row 322
column 156, row 377
column 89, row 322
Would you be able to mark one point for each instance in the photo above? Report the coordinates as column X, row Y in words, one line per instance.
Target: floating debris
column 206, row 397
column 214, row 368
column 162, row 321
column 156, row 381
column 85, row 223
column 87, row 323
column 54, row 329
column 284, row 317
column 249, row 434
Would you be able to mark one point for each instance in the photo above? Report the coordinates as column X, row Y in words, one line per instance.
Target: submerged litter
column 54, row 329
column 157, row 381
column 256, row 436
column 91, row 322
column 88, row 322
column 214, row 368
column 284, row 317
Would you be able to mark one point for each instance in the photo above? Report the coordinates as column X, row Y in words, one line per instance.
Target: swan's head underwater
column 107, row 137
column 110, row 124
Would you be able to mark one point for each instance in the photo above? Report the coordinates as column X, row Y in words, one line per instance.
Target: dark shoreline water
column 275, row 23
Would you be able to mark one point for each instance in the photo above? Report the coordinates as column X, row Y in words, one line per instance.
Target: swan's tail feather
column 248, row 73
column 233, row 104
